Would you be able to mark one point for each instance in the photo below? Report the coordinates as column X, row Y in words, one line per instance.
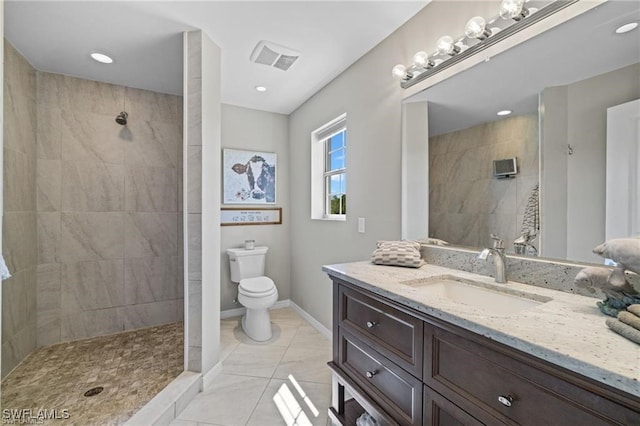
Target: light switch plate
column 361, row 225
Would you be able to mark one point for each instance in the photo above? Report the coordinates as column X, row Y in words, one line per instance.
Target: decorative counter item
column 397, row 253
column 613, row 282
column 249, row 244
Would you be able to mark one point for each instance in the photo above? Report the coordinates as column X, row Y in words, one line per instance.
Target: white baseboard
column 211, row 375
column 230, row 313
column 311, row 320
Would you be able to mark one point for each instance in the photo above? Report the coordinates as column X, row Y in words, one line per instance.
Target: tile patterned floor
column 264, row 383
column 132, row 367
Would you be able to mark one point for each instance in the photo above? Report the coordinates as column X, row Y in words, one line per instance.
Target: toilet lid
column 257, row 285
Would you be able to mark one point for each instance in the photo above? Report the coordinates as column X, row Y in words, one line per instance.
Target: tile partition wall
column 19, row 238
column 193, row 336
column 109, row 221
column 466, row 203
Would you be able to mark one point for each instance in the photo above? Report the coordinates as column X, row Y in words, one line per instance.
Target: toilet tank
column 246, row 263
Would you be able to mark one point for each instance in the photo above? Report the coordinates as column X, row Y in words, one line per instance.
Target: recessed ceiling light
column 261, row 88
column 627, row 27
column 504, row 112
column 102, row 58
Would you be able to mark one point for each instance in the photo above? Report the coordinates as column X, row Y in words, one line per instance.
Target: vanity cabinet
column 407, row 368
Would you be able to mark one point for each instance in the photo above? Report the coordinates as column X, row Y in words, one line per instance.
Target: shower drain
column 94, row 391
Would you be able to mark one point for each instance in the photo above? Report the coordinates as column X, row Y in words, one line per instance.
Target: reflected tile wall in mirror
column 466, row 203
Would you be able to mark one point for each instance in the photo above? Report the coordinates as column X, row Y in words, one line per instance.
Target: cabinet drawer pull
column 505, row 400
column 370, row 374
column 371, row 324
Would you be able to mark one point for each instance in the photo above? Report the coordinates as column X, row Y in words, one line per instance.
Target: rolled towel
column 634, row 309
column 629, row 319
column 624, row 330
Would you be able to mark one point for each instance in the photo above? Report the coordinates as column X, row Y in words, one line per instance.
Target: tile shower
column 92, row 224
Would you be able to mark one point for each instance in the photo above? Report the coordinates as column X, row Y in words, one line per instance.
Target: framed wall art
column 230, row 216
column 248, row 177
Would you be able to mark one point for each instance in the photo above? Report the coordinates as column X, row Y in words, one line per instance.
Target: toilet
column 256, row 292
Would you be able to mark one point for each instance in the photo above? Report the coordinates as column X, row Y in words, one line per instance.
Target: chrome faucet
column 499, row 258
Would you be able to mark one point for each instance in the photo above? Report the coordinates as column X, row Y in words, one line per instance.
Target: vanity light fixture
column 513, row 9
column 421, row 60
column 477, row 28
column 479, row 34
column 504, row 112
column 627, row 27
column 102, row 58
column 400, row 71
column 261, row 89
column 446, row 46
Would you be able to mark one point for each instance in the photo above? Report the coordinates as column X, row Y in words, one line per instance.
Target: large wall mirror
column 561, row 86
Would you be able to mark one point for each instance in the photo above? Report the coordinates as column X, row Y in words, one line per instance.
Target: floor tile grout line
column 253, row 410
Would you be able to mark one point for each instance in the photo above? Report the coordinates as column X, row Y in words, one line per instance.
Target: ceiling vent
column 274, row 55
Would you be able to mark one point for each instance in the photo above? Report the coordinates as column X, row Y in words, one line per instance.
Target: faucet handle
column 498, row 243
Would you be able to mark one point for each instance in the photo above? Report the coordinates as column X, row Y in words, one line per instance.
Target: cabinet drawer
column 395, row 390
column 439, row 411
column 392, row 332
column 470, row 374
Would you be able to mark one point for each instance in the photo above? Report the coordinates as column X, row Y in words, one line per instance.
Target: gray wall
column 585, row 106
column 466, row 202
column 254, row 130
column 19, row 239
column 108, row 216
column 372, row 100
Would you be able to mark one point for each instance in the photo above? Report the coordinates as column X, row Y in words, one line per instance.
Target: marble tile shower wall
column 466, row 203
column 108, row 202
column 19, row 237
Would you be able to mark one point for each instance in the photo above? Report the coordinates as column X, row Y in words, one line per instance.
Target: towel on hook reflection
column 4, row 271
column 531, row 221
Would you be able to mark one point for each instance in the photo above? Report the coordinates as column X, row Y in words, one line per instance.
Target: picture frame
column 248, row 177
column 241, row 216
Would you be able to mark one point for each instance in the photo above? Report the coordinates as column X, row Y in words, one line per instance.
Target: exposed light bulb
column 513, row 9
column 477, row 28
column 421, row 60
column 446, row 46
column 400, row 72
column 102, row 58
column 504, row 112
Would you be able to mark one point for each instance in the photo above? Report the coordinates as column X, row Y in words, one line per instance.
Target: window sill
column 331, row 218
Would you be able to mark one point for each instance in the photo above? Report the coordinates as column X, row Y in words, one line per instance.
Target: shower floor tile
column 131, row 367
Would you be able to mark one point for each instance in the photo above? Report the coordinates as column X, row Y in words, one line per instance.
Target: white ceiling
column 145, row 39
column 581, row 48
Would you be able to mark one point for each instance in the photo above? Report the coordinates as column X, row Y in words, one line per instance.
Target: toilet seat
column 257, row 287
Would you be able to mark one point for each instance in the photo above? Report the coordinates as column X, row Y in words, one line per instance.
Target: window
column 329, row 170
column 335, row 174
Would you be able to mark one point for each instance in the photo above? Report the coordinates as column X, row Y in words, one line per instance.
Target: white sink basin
column 493, row 299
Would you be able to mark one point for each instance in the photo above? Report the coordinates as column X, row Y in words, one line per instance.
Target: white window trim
column 318, row 158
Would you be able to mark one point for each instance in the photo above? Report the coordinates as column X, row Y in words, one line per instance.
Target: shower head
column 122, row 118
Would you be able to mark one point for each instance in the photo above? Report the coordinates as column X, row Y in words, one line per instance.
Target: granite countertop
column 568, row 330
